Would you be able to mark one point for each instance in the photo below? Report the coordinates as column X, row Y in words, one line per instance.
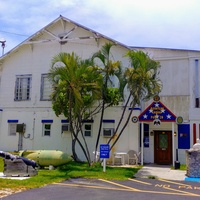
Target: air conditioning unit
column 21, row 128
column 65, row 127
column 108, row 132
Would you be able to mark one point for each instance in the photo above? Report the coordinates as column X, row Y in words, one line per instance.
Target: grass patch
column 96, row 171
column 182, row 167
column 151, row 177
column 1, row 164
column 70, row 170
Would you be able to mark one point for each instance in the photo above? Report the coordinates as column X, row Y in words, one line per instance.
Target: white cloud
column 171, row 24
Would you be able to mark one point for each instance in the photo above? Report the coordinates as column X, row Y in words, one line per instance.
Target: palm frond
column 142, row 76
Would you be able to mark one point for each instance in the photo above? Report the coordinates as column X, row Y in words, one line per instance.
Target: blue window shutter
column 183, row 136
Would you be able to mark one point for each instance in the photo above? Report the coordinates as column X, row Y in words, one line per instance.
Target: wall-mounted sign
column 156, row 122
column 157, row 112
column 134, row 119
column 179, row 120
column 156, row 98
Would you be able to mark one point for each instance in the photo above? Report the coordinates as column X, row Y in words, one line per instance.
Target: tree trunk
column 121, row 118
column 74, row 155
column 101, row 121
column 82, row 147
column 99, row 133
column 120, row 133
column 86, row 151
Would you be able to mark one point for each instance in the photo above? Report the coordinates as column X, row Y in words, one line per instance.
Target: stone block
column 17, row 167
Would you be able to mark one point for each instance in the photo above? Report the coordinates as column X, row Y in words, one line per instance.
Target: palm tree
column 110, row 96
column 143, row 83
column 76, row 86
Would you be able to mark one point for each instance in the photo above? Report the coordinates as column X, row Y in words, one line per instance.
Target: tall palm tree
column 143, row 82
column 109, row 68
column 76, row 87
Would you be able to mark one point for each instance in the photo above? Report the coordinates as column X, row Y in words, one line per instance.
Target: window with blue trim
column 12, row 129
column 46, row 129
column 88, row 130
column 65, row 126
column 12, row 126
column 108, row 127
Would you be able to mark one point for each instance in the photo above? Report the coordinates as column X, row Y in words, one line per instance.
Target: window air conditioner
column 21, row 128
column 108, row 132
column 65, row 127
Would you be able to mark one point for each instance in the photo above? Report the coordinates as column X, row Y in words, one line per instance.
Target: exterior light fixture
column 175, row 134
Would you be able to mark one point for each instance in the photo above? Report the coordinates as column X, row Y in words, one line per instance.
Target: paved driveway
column 98, row 189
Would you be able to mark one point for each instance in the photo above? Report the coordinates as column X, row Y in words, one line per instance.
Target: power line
column 14, row 33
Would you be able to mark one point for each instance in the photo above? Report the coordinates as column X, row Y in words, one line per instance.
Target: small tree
column 78, row 84
column 110, row 96
column 76, row 87
column 143, row 84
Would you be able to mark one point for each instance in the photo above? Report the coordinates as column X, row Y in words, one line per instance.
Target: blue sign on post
column 104, row 151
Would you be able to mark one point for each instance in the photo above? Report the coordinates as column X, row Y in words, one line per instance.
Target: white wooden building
column 24, row 96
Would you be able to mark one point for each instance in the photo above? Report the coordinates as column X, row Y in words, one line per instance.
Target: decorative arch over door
column 158, row 113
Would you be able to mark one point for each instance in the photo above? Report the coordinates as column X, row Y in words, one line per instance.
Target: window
column 146, row 139
column 163, row 141
column 88, row 130
column 12, row 126
column 23, row 87
column 197, row 103
column 46, row 88
column 46, row 129
column 108, row 127
column 65, row 127
column 197, row 84
column 12, row 129
column 108, row 132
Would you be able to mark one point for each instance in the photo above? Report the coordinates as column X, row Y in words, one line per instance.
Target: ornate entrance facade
column 157, row 114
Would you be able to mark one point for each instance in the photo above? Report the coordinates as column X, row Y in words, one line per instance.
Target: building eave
column 29, row 40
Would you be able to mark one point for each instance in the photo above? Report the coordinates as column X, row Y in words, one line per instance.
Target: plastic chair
column 133, row 157
column 117, row 156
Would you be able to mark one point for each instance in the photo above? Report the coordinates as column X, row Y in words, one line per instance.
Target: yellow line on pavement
column 172, row 193
column 134, row 180
column 91, row 186
column 128, row 189
column 164, row 180
column 181, row 192
column 123, row 186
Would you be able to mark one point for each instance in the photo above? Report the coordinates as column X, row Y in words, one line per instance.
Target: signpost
column 104, row 154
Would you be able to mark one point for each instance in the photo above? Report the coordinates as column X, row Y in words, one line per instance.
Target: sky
column 171, row 24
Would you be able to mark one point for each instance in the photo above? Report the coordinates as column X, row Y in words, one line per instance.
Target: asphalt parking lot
column 89, row 189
